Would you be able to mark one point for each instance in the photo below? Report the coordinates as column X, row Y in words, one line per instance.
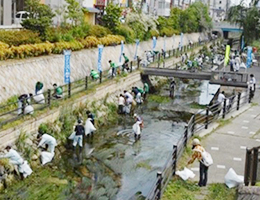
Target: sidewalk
column 228, row 144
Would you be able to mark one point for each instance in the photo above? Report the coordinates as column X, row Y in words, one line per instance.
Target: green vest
column 146, row 88
column 94, row 74
column 126, row 59
column 59, row 90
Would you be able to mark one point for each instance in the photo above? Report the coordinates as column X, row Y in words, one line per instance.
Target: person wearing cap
column 57, row 91
column 47, row 140
column 13, row 156
column 91, row 116
column 79, row 133
column 137, row 130
column 38, row 88
column 197, row 149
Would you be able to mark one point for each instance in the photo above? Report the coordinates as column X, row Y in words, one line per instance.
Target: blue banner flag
column 154, row 42
column 122, row 50
column 242, row 43
column 249, row 57
column 100, row 50
column 137, row 42
column 181, row 42
column 67, row 54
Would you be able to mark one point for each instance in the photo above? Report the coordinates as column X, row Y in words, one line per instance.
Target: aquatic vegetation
column 158, row 98
column 144, row 164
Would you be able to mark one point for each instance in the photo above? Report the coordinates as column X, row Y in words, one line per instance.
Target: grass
column 219, row 191
column 29, row 188
column 197, row 106
column 254, row 104
column 224, row 122
column 144, row 164
column 158, row 98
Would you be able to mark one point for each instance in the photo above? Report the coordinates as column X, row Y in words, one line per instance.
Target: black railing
column 9, row 112
column 197, row 122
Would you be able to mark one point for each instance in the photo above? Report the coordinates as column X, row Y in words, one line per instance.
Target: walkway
column 228, row 144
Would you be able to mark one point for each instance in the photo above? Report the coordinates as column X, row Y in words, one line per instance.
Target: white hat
column 135, row 115
column 195, row 142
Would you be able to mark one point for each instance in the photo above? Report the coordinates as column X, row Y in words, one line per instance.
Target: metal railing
column 9, row 112
column 197, row 122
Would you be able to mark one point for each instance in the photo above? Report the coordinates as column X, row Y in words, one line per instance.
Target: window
column 25, row 16
column 220, row 2
column 219, row 8
column 18, row 15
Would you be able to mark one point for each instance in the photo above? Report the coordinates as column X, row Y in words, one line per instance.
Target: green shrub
column 127, row 32
column 73, row 45
column 17, row 38
column 154, row 33
column 90, row 41
column 168, row 31
column 111, row 40
column 98, row 31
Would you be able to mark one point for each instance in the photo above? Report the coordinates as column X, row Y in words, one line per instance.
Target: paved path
column 228, row 144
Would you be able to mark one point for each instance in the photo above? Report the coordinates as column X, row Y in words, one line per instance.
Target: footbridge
column 223, row 78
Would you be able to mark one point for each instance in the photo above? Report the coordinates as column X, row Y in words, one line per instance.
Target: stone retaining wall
column 20, row 76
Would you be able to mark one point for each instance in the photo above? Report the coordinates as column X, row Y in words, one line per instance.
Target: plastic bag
column 46, row 157
column 89, row 127
column 39, row 98
column 185, row 174
column 25, row 169
column 28, row 110
column 232, row 179
column 72, row 136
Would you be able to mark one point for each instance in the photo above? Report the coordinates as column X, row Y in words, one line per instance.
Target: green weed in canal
column 29, row 188
column 197, row 106
column 144, row 164
column 158, row 98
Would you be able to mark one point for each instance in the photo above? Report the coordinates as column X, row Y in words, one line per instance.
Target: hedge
column 46, row 48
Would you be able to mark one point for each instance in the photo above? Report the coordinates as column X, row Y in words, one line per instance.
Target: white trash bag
column 232, row 179
column 28, row 110
column 39, row 99
column 46, row 157
column 25, row 169
column 89, row 127
column 72, row 135
column 185, row 174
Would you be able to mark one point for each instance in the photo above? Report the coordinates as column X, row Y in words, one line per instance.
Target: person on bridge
column 197, row 150
column 252, row 86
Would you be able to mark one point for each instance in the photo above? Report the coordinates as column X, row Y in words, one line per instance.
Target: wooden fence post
column 49, row 97
column 159, row 185
column 207, row 118
column 254, row 167
column 100, row 77
column 174, row 159
column 186, row 135
column 224, row 109
column 238, row 100
column 247, row 167
column 131, row 66
column 69, row 90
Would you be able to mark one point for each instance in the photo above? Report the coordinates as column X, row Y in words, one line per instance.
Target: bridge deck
column 242, row 82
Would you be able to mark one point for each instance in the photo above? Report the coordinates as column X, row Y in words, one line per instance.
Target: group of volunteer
column 24, row 100
column 128, row 100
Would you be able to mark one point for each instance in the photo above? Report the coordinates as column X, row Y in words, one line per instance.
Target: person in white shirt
column 49, row 140
column 129, row 97
column 121, row 104
column 221, row 97
column 252, row 86
column 13, row 156
column 252, row 78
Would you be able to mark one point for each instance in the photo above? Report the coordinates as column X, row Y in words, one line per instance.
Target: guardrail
column 9, row 111
column 197, row 122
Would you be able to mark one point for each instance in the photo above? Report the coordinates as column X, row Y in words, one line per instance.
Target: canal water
column 123, row 168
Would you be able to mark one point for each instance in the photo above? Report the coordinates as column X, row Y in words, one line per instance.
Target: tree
column 40, row 17
column 74, row 12
column 111, row 18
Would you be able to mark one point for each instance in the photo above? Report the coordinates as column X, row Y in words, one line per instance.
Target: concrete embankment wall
column 112, row 88
column 20, row 76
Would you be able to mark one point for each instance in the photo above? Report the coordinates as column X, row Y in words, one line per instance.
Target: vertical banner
column 164, row 43
column 249, row 57
column 67, row 54
column 122, row 50
column 227, row 55
column 100, row 50
column 242, row 43
column 181, row 42
column 137, row 42
column 154, row 42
